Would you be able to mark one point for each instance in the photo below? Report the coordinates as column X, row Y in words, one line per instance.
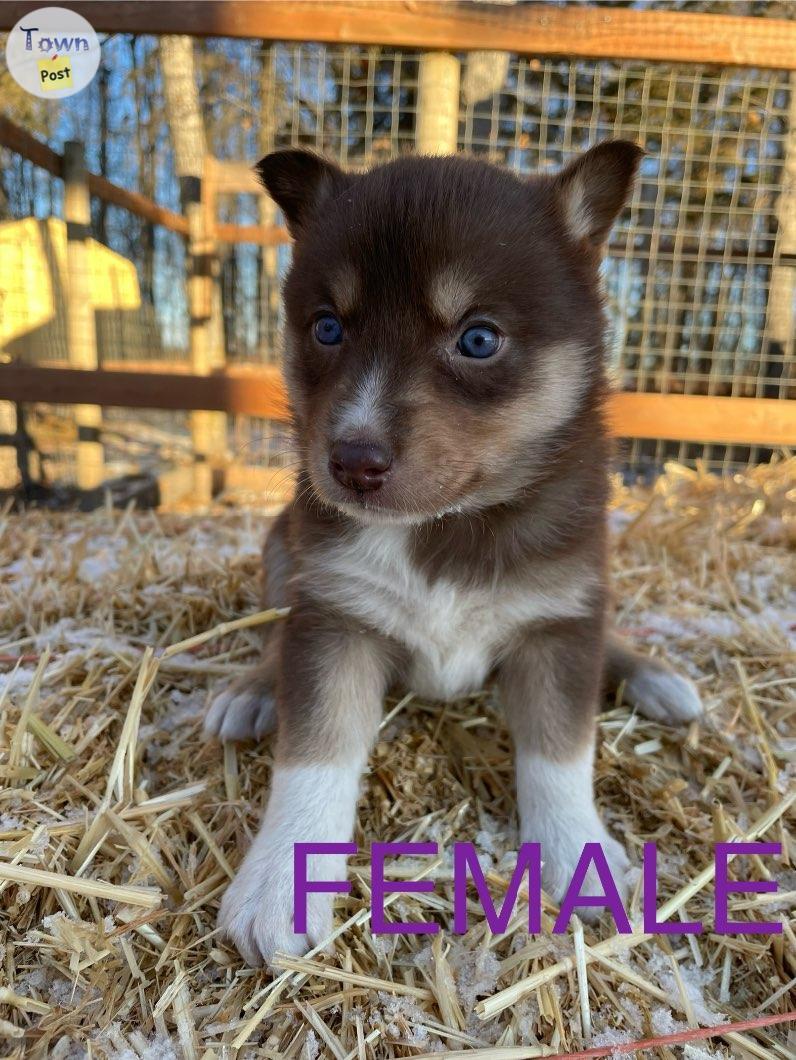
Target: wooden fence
column 209, row 386
column 574, row 31
column 148, row 387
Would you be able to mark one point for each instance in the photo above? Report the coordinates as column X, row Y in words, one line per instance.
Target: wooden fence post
column 208, row 429
column 209, row 193
column 199, row 309
column 437, row 129
column 780, row 332
column 13, row 453
column 81, row 331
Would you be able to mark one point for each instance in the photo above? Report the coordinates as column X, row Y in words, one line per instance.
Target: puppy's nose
column 360, row 465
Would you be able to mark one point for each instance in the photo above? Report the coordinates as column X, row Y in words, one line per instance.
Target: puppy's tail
column 650, row 685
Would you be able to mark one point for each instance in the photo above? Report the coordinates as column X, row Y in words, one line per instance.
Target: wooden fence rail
column 575, row 31
column 260, row 392
column 22, row 143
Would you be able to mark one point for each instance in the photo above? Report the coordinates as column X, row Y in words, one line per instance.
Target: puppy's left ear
column 593, row 189
column 299, row 182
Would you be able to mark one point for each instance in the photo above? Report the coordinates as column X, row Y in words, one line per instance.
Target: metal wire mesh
column 694, row 264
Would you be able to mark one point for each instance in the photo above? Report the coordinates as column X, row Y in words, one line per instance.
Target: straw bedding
column 120, row 824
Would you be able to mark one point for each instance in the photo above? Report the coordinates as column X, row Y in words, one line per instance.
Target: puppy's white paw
column 256, row 912
column 311, row 803
column 663, row 695
column 244, row 711
column 561, row 853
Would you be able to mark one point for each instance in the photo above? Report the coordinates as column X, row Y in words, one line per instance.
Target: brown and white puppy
column 445, row 365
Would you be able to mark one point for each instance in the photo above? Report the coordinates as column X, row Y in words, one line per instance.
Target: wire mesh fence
column 699, row 276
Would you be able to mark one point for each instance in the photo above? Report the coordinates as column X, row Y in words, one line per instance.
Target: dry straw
column 120, row 825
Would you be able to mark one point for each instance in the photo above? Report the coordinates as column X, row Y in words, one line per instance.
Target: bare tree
column 269, row 264
column 183, row 114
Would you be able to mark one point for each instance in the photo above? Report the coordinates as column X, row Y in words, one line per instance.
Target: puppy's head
column 444, row 324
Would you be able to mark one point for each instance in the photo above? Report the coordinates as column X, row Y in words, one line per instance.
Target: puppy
column 446, row 372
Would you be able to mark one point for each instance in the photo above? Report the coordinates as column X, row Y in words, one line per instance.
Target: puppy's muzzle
column 360, row 466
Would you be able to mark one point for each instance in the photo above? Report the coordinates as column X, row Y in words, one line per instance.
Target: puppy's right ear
column 298, row 182
column 594, row 188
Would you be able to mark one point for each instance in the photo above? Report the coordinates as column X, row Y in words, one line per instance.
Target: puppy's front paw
column 257, row 916
column 244, row 711
column 256, row 912
column 663, row 695
column 561, row 853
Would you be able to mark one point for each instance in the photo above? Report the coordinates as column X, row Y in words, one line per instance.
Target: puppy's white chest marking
column 454, row 634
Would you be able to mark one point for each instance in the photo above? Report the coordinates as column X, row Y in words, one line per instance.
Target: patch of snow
column 611, row 1036
column 158, row 1047
column 694, row 981
column 405, row 1020
column 310, row 1049
column 18, row 680
column 476, row 973
column 64, row 993
column 527, row 1014
column 699, row 1052
column 779, row 620
column 98, row 566
column 187, row 707
column 663, row 1022
column 73, row 634
column 183, row 661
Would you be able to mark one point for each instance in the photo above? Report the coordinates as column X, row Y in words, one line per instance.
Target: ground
column 110, row 785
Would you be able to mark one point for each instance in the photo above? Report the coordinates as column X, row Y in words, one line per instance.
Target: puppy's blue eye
column 328, row 330
column 480, row 341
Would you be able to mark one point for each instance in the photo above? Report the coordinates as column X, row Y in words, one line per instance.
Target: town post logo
column 52, row 52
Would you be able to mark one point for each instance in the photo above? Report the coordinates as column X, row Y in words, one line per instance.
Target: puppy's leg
column 651, row 686
column 330, row 699
column 550, row 683
column 245, row 709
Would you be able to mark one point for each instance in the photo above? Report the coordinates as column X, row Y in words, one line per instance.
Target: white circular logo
column 52, row 52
